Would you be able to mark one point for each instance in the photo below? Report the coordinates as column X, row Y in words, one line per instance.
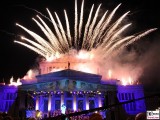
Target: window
column 50, row 68
column 127, row 106
column 45, row 105
column 6, row 107
column 133, row 106
column 69, row 104
column 40, row 71
column 129, row 96
column 91, row 104
column 132, row 95
column 126, row 97
column 57, row 104
column 122, row 96
column 80, row 104
column 119, row 95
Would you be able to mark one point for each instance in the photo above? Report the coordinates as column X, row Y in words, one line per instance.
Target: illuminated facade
column 62, row 82
column 8, row 95
column 75, row 89
column 131, row 92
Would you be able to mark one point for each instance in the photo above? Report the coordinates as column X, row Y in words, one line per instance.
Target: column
column 53, row 102
column 62, row 99
column 99, row 101
column 74, row 102
column 49, row 102
column 37, row 102
column 41, row 103
column 87, row 102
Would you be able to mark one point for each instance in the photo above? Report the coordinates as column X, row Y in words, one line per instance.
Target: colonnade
column 52, row 98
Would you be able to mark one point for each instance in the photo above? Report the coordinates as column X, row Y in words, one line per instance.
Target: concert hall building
column 76, row 89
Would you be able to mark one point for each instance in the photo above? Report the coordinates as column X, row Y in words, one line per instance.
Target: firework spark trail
column 81, row 20
column 57, row 30
column 41, row 15
column 75, row 25
column 140, row 36
column 32, row 48
column 86, row 28
column 113, row 46
column 111, row 30
column 52, row 38
column 114, row 27
column 37, row 38
column 106, row 23
column 9, row 33
column 113, row 37
column 42, row 28
column 97, row 29
column 62, row 31
column 68, row 28
column 92, row 25
column 128, row 40
column 38, row 46
column 119, row 31
column 117, row 42
column 35, row 11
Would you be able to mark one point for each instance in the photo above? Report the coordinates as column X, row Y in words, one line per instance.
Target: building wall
column 69, row 62
column 8, row 95
column 77, row 101
column 131, row 92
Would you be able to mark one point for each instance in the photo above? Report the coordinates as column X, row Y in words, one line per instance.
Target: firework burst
column 99, row 34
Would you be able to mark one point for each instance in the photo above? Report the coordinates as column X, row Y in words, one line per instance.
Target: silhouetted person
column 8, row 118
column 68, row 65
column 140, row 116
column 95, row 116
column 32, row 119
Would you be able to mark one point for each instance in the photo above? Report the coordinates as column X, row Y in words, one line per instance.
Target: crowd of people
column 5, row 116
column 56, row 115
column 68, row 111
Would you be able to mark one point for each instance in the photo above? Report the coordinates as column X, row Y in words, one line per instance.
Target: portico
column 77, row 90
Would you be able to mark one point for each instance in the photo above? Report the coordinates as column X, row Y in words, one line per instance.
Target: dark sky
column 16, row 60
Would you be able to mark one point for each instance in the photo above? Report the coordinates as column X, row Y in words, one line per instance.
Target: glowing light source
column 12, row 83
column 38, row 114
column 130, row 81
column 37, row 103
column 49, row 102
column 126, row 81
column 99, row 101
column 74, row 103
column 63, row 108
column 109, row 73
column 87, row 105
column 85, row 55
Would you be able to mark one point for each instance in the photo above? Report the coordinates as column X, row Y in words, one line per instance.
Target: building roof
column 68, row 80
column 69, row 74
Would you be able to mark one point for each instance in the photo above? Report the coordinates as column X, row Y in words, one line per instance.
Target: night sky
column 16, row 60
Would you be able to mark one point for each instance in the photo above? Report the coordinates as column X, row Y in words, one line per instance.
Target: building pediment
column 67, row 85
column 69, row 74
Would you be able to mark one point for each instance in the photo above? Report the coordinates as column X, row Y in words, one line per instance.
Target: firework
column 98, row 33
column 93, row 39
